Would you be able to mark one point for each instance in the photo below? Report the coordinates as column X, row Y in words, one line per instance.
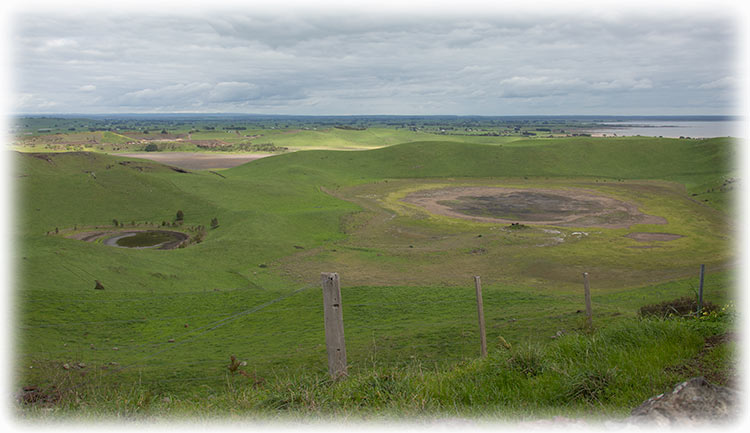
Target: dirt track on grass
column 112, row 236
column 573, row 207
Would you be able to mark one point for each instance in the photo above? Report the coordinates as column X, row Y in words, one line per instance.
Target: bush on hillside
column 684, row 306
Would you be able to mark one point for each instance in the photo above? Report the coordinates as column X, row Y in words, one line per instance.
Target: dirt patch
column 42, row 156
column 197, row 161
column 648, row 237
column 573, row 207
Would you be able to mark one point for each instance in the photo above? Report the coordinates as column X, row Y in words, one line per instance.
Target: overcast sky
column 332, row 61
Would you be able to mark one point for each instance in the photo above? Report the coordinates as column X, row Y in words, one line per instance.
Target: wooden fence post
column 587, row 292
column 334, row 325
column 700, row 291
column 480, row 313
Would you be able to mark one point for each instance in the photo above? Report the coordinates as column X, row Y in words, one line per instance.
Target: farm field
column 406, row 224
column 196, row 160
column 227, row 135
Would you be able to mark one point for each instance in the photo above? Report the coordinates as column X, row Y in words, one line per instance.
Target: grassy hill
column 695, row 163
column 171, row 319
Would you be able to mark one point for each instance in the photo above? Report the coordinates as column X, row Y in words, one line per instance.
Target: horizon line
column 736, row 116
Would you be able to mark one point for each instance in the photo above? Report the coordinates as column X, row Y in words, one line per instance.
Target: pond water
column 674, row 128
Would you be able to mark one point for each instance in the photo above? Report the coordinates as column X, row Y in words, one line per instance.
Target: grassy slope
column 370, row 138
column 693, row 162
column 265, row 209
column 332, row 138
column 597, row 376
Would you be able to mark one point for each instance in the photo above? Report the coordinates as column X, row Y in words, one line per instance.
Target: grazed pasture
column 168, row 321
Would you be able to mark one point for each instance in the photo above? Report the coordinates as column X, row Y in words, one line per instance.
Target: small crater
column 649, row 237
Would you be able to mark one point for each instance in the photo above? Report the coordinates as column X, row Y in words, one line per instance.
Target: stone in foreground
column 693, row 401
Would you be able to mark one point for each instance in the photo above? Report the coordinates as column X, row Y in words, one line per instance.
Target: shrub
column 590, row 385
column 528, row 360
column 684, row 306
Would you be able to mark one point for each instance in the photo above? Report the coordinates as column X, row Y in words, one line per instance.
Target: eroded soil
column 197, row 161
column 572, row 207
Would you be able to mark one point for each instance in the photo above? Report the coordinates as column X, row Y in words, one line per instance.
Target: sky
column 468, row 58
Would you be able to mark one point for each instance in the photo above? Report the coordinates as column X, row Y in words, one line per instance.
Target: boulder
column 691, row 402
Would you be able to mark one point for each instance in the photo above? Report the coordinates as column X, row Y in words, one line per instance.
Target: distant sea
column 674, row 128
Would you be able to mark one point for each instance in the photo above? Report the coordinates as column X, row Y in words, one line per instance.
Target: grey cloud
column 349, row 63
column 721, row 83
column 175, row 93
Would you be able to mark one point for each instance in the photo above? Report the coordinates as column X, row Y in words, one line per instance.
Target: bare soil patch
column 153, row 136
column 573, row 207
column 197, row 161
column 648, row 237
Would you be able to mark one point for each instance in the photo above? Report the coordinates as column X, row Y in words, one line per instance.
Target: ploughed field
column 197, row 161
column 406, row 227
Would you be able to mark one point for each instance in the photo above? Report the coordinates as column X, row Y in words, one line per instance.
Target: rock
column 558, row 334
column 66, row 366
column 691, row 402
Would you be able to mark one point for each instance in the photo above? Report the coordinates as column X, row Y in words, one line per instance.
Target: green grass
column 114, row 138
column 169, row 320
column 295, row 139
column 597, row 376
column 340, row 139
column 145, row 239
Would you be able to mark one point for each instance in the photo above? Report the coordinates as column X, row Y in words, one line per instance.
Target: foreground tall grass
column 600, row 374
